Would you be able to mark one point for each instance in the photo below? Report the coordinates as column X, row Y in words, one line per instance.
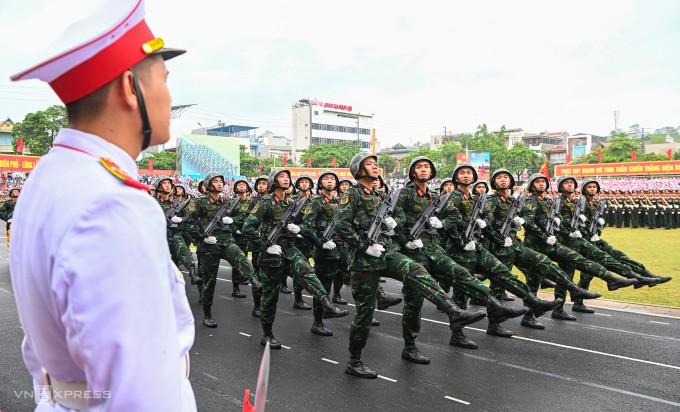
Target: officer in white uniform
column 104, row 310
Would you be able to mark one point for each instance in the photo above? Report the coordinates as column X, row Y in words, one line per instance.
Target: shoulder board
column 115, row 170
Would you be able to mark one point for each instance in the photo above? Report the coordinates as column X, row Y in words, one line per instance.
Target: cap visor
column 168, row 53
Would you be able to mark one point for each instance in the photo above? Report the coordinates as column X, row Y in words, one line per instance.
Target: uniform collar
column 98, row 148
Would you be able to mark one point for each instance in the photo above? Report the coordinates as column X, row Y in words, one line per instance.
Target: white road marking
column 602, row 314
column 244, row 334
column 329, row 361
column 456, row 400
column 7, row 291
column 660, row 323
column 285, row 347
column 387, row 379
column 210, row 376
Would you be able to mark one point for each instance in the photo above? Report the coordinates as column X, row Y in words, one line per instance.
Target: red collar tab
column 420, row 193
column 120, row 174
column 368, row 192
column 276, row 199
column 465, row 196
column 502, row 199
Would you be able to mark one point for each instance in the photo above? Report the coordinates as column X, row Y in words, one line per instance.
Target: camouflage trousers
column 591, row 251
column 295, row 265
column 636, row 266
column 307, row 251
column 236, row 274
column 490, row 266
column 210, row 264
column 341, row 276
column 325, row 270
column 179, row 251
column 418, row 284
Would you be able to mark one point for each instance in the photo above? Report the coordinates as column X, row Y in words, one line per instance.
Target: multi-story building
column 545, row 141
column 6, row 128
column 247, row 135
column 275, row 146
column 580, row 144
column 317, row 122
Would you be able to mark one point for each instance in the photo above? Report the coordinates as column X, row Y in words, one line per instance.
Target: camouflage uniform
column 178, row 248
column 6, row 211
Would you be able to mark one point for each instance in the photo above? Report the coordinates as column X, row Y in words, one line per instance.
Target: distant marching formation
column 359, row 232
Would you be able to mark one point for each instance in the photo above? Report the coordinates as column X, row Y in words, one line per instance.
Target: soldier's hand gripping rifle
column 291, row 213
column 384, row 211
column 174, row 211
column 576, row 223
column 226, row 210
column 595, row 225
column 329, row 232
column 551, row 226
column 435, row 207
column 509, row 222
column 473, row 230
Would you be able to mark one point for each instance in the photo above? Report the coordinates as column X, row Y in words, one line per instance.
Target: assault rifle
column 509, row 223
column 329, row 232
column 174, row 211
column 595, row 227
column 473, row 231
column 578, row 211
column 215, row 224
column 291, row 213
column 435, row 207
column 551, row 227
column 384, row 211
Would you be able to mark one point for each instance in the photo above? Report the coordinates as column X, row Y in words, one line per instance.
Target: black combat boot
column 208, row 321
column 576, row 292
column 257, row 285
column 273, row 342
column 507, row 298
column 320, row 329
column 540, row 306
column 459, row 339
column 284, row 286
column 500, row 312
column 496, row 329
column 257, row 299
column 559, row 313
column 530, row 322
column 615, row 282
column 193, row 274
column 357, row 368
column 663, row 279
column 375, row 322
column 385, row 300
column 547, row 283
column 330, row 310
column 337, row 298
column 237, row 291
column 642, row 281
column 459, row 317
column 199, row 286
column 414, row 355
column 301, row 304
column 580, row 307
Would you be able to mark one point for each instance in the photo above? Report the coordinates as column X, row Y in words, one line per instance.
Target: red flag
column 633, row 155
column 150, row 165
column 334, row 162
column 599, row 155
column 20, row 146
column 285, row 160
column 568, row 158
column 545, row 170
column 669, row 153
column 260, row 170
column 309, row 162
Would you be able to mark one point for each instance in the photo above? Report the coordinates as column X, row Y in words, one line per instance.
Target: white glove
column 274, row 250
column 557, row 221
column 330, row 245
column 435, row 222
column 176, row 219
column 227, row 220
column 238, row 232
column 390, row 223
column 508, row 242
column 600, row 221
column 293, row 228
column 582, row 218
column 375, row 250
column 9, row 220
column 575, row 234
column 595, row 238
column 414, row 244
column 299, row 236
column 551, row 240
column 210, row 240
column 470, row 246
column 518, row 221
column 480, row 223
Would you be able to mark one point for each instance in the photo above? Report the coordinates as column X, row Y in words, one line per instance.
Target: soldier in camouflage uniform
column 535, row 213
column 242, row 191
column 414, row 198
column 179, row 250
column 476, row 259
column 7, row 209
column 511, row 251
column 446, row 185
column 283, row 258
column 342, row 275
column 261, row 190
column 219, row 245
column 358, row 207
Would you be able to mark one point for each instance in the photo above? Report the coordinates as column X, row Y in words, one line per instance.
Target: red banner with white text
column 20, row 163
column 620, row 169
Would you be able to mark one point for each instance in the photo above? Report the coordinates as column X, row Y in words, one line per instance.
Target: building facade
column 6, row 128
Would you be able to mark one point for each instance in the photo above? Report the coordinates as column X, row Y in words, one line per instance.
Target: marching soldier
column 356, row 214
column 242, row 191
column 281, row 258
column 7, row 210
column 217, row 245
column 304, row 184
column 342, row 275
column 261, row 190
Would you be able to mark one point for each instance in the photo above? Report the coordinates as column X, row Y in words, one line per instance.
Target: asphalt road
column 612, row 360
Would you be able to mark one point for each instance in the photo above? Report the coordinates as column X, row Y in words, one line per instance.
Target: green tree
column 519, row 158
column 676, row 155
column 161, row 161
column 652, row 157
column 39, row 129
column 619, row 149
column 322, row 154
column 387, row 162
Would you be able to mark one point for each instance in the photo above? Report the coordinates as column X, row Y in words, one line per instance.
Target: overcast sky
column 419, row 66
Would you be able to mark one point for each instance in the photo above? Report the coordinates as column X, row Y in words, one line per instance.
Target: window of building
column 316, row 112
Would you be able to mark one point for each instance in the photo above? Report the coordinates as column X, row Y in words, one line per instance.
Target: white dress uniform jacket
column 98, row 296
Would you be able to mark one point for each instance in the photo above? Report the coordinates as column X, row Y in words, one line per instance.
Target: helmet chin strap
column 146, row 126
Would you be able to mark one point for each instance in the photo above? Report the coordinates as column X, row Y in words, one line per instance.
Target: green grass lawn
column 658, row 250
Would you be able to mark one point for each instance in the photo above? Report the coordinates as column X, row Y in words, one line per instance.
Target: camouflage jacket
column 201, row 212
column 357, row 209
column 497, row 207
column 458, row 213
column 240, row 214
column 6, row 209
column 316, row 216
column 566, row 213
column 590, row 212
column 535, row 214
column 413, row 202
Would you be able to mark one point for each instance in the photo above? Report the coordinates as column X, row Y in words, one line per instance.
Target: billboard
column 20, row 163
column 201, row 154
column 671, row 167
column 481, row 161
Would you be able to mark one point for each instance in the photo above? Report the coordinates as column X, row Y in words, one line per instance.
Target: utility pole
column 358, row 132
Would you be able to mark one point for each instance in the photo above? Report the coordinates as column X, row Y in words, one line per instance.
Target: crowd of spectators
column 205, row 160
